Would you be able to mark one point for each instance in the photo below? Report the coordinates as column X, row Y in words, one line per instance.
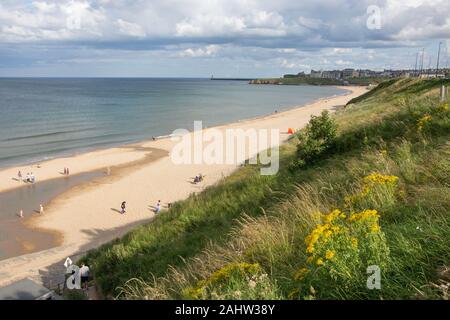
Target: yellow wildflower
column 319, row 262
column 380, row 179
column 332, row 215
column 423, row 121
column 363, row 215
column 335, row 229
column 329, row 254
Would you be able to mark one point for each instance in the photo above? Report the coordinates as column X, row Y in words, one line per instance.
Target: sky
column 224, row 38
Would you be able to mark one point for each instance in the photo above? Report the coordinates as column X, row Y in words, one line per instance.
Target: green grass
column 263, row 220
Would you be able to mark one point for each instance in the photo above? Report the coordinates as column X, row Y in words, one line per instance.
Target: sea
column 44, row 118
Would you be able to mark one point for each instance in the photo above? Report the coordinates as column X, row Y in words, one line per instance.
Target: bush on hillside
column 315, row 140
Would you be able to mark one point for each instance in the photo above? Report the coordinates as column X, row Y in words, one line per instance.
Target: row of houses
column 354, row 73
column 360, row 73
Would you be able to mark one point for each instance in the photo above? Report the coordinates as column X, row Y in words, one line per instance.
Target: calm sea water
column 44, row 118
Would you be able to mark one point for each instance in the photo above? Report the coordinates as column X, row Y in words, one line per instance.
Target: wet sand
column 16, row 238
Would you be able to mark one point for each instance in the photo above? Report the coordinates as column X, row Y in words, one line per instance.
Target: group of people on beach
column 41, row 211
column 156, row 210
column 66, row 171
column 199, row 178
column 30, row 177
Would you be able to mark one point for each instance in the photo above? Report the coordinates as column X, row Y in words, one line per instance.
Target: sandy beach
column 87, row 215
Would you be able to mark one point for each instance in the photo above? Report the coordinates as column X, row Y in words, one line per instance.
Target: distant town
column 352, row 76
column 360, row 73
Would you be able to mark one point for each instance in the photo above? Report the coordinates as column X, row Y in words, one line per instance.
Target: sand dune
column 87, row 215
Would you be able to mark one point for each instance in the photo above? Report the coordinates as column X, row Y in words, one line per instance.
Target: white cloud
column 65, row 20
column 289, row 64
column 130, row 29
column 342, row 50
column 208, row 51
column 343, row 62
column 207, row 26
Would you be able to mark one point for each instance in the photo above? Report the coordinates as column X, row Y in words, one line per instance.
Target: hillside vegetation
column 374, row 191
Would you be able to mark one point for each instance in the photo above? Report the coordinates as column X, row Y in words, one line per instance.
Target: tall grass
column 203, row 247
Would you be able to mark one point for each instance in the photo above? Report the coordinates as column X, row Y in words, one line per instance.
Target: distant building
column 431, row 75
column 315, row 74
column 334, row 74
column 367, row 73
column 350, row 73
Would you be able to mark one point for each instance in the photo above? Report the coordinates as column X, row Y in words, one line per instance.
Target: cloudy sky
column 230, row 38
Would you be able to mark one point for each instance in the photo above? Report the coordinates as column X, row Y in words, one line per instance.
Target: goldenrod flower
column 319, row 262
column 423, row 121
column 380, row 179
column 329, row 254
column 335, row 229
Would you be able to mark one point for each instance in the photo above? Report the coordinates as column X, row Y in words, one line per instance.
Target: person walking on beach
column 21, row 213
column 65, row 170
column 41, row 209
column 122, row 207
column 158, row 207
column 19, row 175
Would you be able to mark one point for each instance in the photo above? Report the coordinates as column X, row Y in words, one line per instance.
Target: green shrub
column 74, row 294
column 315, row 140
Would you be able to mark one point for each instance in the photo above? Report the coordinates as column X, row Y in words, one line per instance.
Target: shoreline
column 87, row 214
